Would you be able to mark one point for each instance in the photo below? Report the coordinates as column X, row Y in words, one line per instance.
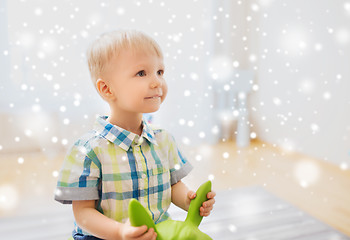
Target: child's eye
column 141, row 73
column 160, row 72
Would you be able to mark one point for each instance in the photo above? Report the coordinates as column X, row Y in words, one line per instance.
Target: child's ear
column 104, row 89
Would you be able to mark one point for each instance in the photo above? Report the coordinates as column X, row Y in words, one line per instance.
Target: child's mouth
column 153, row 97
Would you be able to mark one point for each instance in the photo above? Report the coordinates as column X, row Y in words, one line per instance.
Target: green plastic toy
column 171, row 229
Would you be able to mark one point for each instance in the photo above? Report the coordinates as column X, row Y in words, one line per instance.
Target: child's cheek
column 165, row 91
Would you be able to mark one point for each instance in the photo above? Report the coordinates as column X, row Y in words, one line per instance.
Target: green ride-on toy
column 171, row 229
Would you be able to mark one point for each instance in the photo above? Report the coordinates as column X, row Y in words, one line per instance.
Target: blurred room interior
column 258, row 95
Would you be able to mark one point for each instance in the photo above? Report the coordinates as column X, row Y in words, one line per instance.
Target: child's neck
column 130, row 122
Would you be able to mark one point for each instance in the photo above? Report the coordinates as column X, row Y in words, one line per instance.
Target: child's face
column 136, row 80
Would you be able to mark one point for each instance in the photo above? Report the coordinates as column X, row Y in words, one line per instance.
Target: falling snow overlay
column 240, row 72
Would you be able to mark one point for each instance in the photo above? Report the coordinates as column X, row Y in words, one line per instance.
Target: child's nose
column 156, row 82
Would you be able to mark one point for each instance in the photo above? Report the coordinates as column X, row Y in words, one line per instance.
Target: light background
column 298, row 51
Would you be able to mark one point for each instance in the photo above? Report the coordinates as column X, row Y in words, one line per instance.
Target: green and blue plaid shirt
column 112, row 165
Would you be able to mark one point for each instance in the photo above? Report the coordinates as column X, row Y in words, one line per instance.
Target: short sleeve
column 79, row 176
column 178, row 164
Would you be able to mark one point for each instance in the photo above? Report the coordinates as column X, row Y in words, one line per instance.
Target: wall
column 47, row 99
column 303, row 53
column 298, row 50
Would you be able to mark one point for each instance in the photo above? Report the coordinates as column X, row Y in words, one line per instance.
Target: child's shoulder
column 89, row 137
column 88, row 142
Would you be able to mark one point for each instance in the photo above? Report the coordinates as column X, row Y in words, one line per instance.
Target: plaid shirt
column 112, row 165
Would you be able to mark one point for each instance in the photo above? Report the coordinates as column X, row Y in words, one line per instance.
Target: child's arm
column 91, row 220
column 181, row 197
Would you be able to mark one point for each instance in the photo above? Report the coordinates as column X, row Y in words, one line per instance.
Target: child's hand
column 207, row 206
column 137, row 233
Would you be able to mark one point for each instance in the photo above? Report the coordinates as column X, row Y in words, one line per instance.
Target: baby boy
column 123, row 156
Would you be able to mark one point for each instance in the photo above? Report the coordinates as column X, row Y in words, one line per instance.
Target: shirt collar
column 122, row 137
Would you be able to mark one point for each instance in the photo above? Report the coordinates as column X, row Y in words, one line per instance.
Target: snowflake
column 20, row 160
column 327, row 95
column 344, row 166
column 186, row 140
column 187, row 93
column 342, row 36
column 66, row 121
column 63, row 108
column 232, row 228
column 9, row 197
column 347, row 6
column 318, row 47
column 64, row 142
column 277, row 101
column 55, row 174
column 315, row 128
column 38, row 12
column 54, row 139
column 252, row 135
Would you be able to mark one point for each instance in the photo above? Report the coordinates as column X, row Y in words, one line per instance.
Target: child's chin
column 151, row 110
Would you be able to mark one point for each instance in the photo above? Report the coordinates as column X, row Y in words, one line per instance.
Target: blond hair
column 110, row 44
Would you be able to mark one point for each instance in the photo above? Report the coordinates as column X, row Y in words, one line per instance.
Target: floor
column 319, row 188
column 314, row 187
column 249, row 213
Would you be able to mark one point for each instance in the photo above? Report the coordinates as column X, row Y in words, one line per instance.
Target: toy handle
column 139, row 216
column 193, row 215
